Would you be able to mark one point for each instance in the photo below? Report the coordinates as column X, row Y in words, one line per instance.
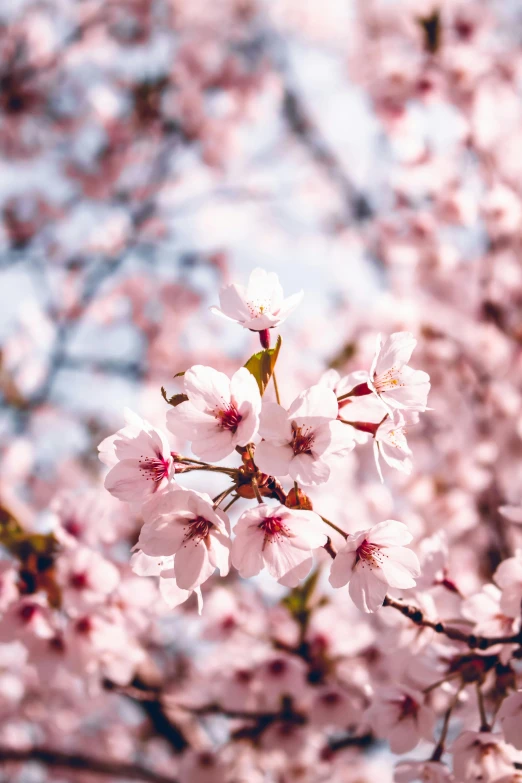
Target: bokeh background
column 367, row 151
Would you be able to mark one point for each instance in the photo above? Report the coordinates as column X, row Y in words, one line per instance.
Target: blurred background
column 368, row 151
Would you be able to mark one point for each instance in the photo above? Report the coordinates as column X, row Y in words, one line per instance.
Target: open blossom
column 484, row 609
column 508, row 577
column 278, row 538
column 220, row 413
column 397, row 384
column 140, row 460
column 86, row 577
column 510, row 717
column 258, row 306
column 422, row 771
column 303, row 440
column 390, row 442
column 184, row 523
column 373, row 560
column 481, row 756
column 399, row 715
column 145, row 565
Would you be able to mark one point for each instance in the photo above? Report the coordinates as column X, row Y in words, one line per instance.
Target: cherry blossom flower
column 484, row 609
column 397, row 384
column 510, row 717
column 481, row 756
column 86, row 577
column 390, row 442
column 508, row 577
column 140, row 460
column 278, row 538
column 303, row 440
column 258, row 306
column 422, row 771
column 184, row 523
column 145, row 565
column 399, row 715
column 373, row 560
column 220, row 413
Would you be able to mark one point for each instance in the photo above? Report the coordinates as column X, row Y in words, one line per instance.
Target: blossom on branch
column 140, row 460
column 258, row 306
column 397, row 384
column 183, row 523
column 220, row 413
column 278, row 538
column 373, row 560
column 303, row 440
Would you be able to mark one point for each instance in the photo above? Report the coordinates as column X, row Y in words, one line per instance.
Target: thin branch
column 334, row 527
column 439, row 749
column 473, row 641
column 76, row 761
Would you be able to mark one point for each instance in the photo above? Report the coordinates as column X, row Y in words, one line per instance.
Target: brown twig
column 77, row 761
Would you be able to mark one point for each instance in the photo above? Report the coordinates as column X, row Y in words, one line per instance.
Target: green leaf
column 176, row 399
column 298, row 600
column 180, row 374
column 262, row 365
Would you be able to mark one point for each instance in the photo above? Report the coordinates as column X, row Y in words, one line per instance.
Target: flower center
column 409, row 708
column 229, row 418
column 79, row 581
column 154, row 469
column 198, row 529
column 387, row 381
column 274, row 529
column 302, row 439
column 369, row 553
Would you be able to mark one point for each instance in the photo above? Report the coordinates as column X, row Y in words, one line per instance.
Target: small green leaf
column 298, row 600
column 262, row 365
column 180, row 374
column 176, row 399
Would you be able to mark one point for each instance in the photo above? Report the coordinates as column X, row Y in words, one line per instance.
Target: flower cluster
column 186, row 535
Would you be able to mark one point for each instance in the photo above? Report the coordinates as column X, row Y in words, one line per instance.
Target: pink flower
column 140, row 460
column 510, row 717
column 144, row 565
column 373, row 560
column 86, row 577
column 422, row 771
column 398, row 714
column 397, row 384
column 278, row 538
column 303, row 440
column 508, row 577
column 484, row 609
column 184, row 523
column 258, row 306
column 220, row 413
column 390, row 442
column 481, row 756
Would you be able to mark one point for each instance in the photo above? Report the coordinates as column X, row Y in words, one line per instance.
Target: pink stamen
column 154, row 469
column 302, row 440
column 229, row 418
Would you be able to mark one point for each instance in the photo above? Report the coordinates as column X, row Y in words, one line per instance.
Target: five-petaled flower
column 303, row 440
column 397, row 384
column 140, row 460
column 258, row 306
column 184, row 523
column 220, row 413
column 279, row 538
column 399, row 715
column 373, row 560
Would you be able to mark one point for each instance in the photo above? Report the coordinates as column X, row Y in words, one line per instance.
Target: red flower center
column 154, row 469
column 79, row 581
column 229, row 418
column 302, row 439
column 198, row 529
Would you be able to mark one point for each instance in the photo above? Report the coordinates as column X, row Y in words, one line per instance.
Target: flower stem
column 222, row 495
column 276, row 388
column 255, row 486
column 439, row 750
column 334, row 527
column 484, row 725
